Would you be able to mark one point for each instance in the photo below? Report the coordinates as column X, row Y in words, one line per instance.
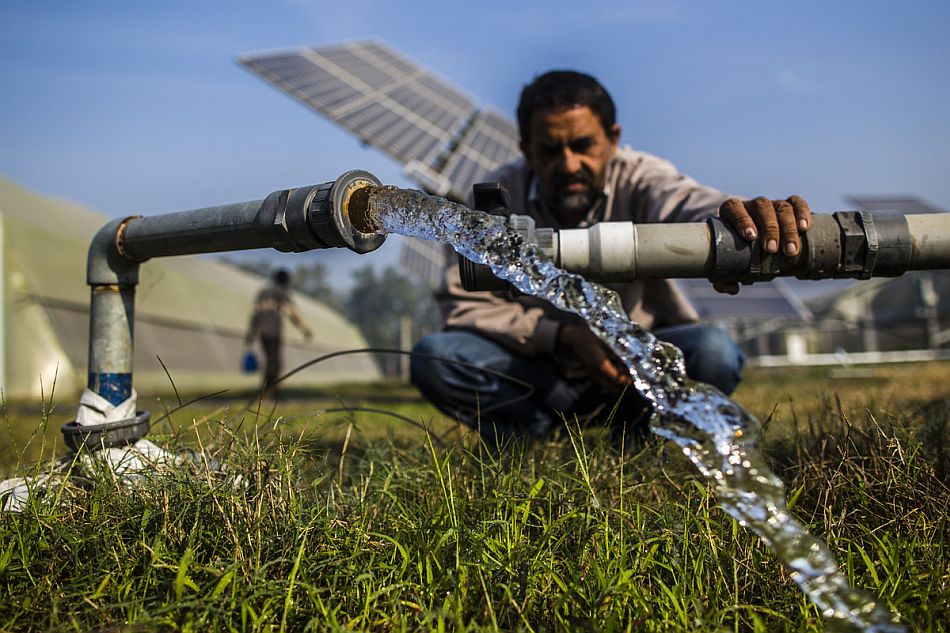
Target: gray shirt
column 639, row 188
column 269, row 308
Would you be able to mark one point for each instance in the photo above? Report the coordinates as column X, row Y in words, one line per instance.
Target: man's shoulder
column 514, row 176
column 633, row 169
column 629, row 158
column 517, row 168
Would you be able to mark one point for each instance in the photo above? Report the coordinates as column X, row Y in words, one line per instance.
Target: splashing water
column 716, row 434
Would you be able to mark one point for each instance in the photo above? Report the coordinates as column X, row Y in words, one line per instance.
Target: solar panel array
column 424, row 260
column 760, row 301
column 388, row 101
column 904, row 204
column 490, row 141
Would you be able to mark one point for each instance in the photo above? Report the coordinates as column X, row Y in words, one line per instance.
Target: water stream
column 715, row 433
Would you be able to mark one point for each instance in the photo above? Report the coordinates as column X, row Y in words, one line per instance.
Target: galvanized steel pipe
column 291, row 220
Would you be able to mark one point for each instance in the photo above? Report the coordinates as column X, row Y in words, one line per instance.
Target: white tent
column 191, row 312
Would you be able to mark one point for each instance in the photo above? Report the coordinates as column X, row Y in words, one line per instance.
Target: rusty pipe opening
column 345, row 217
column 356, row 206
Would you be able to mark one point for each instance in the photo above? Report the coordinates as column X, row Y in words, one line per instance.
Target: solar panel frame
column 904, row 203
column 489, row 142
column 424, row 260
column 375, row 93
column 755, row 302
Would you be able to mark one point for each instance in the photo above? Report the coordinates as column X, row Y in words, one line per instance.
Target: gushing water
column 716, row 434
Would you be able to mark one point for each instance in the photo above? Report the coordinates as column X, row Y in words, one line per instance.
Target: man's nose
column 569, row 162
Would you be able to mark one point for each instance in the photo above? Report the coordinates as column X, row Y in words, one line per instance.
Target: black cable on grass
column 181, row 406
column 528, row 387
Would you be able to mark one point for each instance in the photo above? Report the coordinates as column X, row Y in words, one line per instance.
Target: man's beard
column 575, row 205
column 572, row 206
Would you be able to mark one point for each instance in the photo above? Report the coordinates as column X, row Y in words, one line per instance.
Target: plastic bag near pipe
column 127, row 463
column 15, row 493
column 132, row 464
column 94, row 409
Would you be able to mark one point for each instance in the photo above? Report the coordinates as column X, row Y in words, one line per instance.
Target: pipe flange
column 297, row 213
column 94, row 437
column 493, row 199
column 854, row 245
column 343, row 203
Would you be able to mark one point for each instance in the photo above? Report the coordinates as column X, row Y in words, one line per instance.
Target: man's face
column 568, row 150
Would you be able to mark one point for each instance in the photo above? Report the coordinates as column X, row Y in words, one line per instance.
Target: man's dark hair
column 281, row 277
column 562, row 89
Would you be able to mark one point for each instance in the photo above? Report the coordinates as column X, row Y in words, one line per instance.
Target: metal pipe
column 849, row 244
column 111, row 326
column 292, row 220
column 112, row 279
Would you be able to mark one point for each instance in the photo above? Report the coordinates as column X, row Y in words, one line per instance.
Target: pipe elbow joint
column 106, row 264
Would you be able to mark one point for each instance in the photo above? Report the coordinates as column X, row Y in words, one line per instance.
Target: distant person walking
column 272, row 304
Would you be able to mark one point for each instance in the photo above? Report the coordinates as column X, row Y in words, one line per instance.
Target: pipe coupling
column 329, row 215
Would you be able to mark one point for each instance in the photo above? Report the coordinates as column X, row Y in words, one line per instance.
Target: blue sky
column 140, row 106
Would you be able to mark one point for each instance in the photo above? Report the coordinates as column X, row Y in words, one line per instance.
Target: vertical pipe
column 112, row 278
column 111, row 319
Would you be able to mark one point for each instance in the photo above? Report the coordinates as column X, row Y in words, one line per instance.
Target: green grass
column 357, row 521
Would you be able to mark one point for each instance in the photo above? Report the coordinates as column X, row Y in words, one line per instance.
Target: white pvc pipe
column 619, row 251
column 931, row 237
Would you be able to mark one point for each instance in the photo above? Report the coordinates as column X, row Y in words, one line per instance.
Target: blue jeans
column 504, row 394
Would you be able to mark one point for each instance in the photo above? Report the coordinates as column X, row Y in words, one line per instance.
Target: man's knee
column 711, row 355
column 715, row 359
column 456, row 360
column 424, row 367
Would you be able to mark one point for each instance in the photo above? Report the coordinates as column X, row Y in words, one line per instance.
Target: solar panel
column 383, row 98
column 424, row 260
column 435, row 129
column 490, row 141
column 755, row 302
column 904, row 204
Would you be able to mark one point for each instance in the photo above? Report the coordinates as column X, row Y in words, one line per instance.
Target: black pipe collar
column 95, row 437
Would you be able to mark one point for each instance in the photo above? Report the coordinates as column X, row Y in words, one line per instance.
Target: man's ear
column 614, row 135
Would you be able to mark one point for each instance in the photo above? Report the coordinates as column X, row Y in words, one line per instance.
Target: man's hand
column 778, row 223
column 601, row 365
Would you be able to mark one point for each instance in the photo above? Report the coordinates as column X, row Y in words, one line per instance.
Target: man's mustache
column 582, row 178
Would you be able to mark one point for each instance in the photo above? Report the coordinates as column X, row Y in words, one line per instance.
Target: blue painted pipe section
column 115, row 388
